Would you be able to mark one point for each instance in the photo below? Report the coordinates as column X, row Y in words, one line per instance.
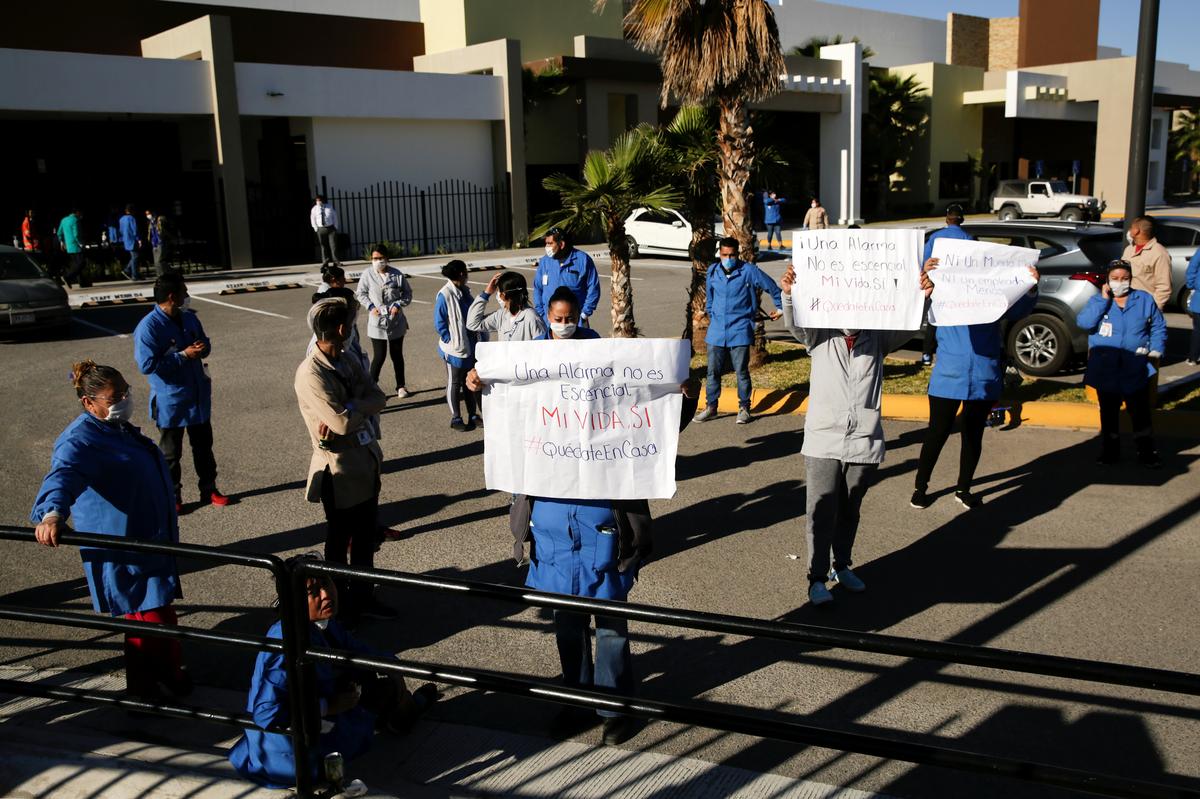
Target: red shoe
column 217, row 498
column 388, row 534
column 178, row 508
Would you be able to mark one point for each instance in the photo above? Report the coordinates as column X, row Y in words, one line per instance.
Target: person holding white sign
column 952, row 230
column 843, row 440
column 1127, row 337
column 969, row 373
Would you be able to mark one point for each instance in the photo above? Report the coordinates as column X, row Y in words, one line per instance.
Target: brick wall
column 967, row 40
column 1003, row 39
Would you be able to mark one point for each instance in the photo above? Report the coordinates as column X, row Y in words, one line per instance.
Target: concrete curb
column 915, row 407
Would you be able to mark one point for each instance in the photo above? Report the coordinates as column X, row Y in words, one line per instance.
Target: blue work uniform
column 441, row 323
column 109, row 479
column 772, row 213
column 1192, row 281
column 180, row 391
column 268, row 757
column 576, row 271
column 1115, row 336
column 730, row 303
column 129, row 232
column 970, row 362
column 948, row 232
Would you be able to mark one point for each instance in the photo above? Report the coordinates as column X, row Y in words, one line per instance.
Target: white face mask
column 1119, row 288
column 379, row 264
column 121, row 411
column 321, row 623
column 563, row 329
column 848, row 332
column 187, row 303
column 550, row 251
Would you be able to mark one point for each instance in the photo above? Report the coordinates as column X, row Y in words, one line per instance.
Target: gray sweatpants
column 835, row 492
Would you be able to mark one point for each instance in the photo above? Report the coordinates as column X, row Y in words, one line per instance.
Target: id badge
column 545, row 280
column 364, row 437
column 1106, row 329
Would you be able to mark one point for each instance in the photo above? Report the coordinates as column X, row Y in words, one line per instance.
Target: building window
column 954, row 180
column 1156, row 127
column 1152, row 177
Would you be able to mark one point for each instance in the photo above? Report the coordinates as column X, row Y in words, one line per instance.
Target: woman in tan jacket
column 340, row 404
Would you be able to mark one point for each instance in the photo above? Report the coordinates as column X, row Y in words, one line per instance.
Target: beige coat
column 1151, row 270
column 352, row 456
column 816, row 218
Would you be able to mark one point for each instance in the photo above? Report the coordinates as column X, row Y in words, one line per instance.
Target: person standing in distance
column 563, row 265
column 456, row 345
column 385, row 292
column 1150, row 261
column 169, row 346
column 70, row 243
column 730, row 300
column 773, row 216
column 323, row 219
column 131, row 241
column 816, row 217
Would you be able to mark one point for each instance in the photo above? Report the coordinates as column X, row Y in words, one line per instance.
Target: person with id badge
column 563, row 265
column 340, row 404
column 1127, row 335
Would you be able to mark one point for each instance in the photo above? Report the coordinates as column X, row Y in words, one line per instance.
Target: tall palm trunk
column 702, row 253
column 623, row 325
column 736, row 145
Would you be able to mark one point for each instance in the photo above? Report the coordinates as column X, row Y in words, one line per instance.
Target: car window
column 1048, row 249
column 15, row 266
column 1175, row 235
column 1010, row 240
column 1039, row 188
column 1103, row 248
column 659, row 217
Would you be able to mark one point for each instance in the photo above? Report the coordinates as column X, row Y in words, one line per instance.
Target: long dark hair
column 515, row 290
column 88, row 377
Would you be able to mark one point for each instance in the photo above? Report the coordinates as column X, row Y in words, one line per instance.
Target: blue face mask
column 729, row 263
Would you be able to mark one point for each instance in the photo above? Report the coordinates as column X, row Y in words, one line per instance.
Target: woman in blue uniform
column 352, row 704
column 109, row 479
column 1127, row 336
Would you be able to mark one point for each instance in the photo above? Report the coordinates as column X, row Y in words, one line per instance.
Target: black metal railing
column 446, row 216
column 300, row 657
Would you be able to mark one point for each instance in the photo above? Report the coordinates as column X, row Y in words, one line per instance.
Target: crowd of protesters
column 138, row 241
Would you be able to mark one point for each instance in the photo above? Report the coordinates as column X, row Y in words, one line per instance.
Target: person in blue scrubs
column 773, row 217
column 563, row 265
column 456, row 345
column 353, row 704
column 952, row 230
column 109, row 479
column 1127, row 335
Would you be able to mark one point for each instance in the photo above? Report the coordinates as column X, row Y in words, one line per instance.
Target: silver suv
column 1072, row 268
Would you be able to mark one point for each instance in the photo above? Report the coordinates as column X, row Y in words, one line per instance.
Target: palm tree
column 812, row 47
column 1184, row 142
column 896, row 111
column 614, row 183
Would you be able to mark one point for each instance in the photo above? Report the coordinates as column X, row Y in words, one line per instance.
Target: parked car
column 29, row 299
column 662, row 233
column 1017, row 199
column 1072, row 269
column 1181, row 236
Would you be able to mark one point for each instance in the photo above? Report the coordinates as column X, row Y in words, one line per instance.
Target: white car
column 663, row 232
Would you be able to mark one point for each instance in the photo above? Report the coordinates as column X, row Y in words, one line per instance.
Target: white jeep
column 1017, row 199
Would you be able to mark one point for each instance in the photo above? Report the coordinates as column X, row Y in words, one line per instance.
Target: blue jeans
column 717, row 358
column 131, row 267
column 774, row 230
column 614, row 663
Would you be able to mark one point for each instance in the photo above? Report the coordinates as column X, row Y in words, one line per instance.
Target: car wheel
column 1040, row 344
column 632, row 244
column 1009, row 212
column 1071, row 215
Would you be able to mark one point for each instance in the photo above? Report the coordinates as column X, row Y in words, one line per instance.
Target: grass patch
column 1188, row 402
column 787, row 369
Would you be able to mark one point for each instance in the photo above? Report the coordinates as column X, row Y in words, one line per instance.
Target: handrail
column 900, row 646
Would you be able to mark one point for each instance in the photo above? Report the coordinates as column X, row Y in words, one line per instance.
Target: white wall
column 896, row 38
column 401, row 10
column 36, row 80
column 369, row 93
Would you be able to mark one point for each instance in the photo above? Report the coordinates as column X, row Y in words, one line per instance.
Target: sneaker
column 920, row 500
column 402, row 393
column 215, row 497
column 967, row 499
column 709, row 412
column 927, row 360
column 1190, row 362
column 818, row 594
column 477, row 421
column 372, row 608
column 457, row 424
column 744, row 416
column 848, row 580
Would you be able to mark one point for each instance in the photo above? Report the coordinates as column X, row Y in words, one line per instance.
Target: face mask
column 121, row 411
column 379, row 263
column 187, row 303
column 814, row 205
column 550, row 251
column 728, row 263
column 1129, row 238
column 321, row 624
column 563, row 329
column 1119, row 288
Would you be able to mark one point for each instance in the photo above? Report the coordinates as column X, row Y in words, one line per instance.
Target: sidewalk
column 73, row 751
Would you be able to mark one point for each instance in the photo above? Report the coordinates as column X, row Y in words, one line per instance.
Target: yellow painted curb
column 915, row 407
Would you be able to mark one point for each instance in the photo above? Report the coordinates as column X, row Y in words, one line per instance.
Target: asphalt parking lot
column 1064, row 558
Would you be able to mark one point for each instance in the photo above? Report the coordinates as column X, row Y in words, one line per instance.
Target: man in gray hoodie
column 843, row 439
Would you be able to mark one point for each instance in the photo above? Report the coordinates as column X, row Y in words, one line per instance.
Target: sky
column 1178, row 21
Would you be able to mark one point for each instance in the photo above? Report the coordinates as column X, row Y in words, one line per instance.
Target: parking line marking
column 239, row 307
column 101, row 328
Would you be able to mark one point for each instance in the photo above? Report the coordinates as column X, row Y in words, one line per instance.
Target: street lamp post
column 1143, row 102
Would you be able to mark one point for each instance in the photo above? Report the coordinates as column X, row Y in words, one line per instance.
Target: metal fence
column 447, row 216
column 300, row 657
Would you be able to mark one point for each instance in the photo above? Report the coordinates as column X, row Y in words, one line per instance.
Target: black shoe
column 457, row 424
column 372, row 608
column 619, row 729
column 570, row 721
column 967, row 499
column 1150, row 460
column 920, row 500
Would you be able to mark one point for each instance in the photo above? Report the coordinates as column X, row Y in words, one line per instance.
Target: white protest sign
column 977, row 281
column 586, row 419
column 864, row 279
